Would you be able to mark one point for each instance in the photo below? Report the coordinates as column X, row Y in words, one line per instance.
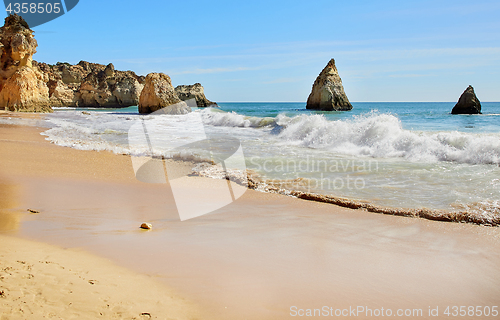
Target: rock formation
column 468, row 103
column 327, row 92
column 22, row 86
column 27, row 85
column 158, row 93
column 91, row 85
column 195, row 91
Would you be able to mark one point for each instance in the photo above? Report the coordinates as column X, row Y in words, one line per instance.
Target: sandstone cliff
column 468, row 103
column 22, row 86
column 91, row 85
column 158, row 93
column 195, row 91
column 28, row 85
column 327, row 92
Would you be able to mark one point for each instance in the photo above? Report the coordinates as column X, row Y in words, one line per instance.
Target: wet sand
column 256, row 258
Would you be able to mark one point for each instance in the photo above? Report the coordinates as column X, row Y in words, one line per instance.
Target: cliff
column 28, row 85
column 91, row 85
column 327, row 92
column 22, row 85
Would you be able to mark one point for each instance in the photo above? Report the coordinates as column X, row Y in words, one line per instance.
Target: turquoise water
column 430, row 116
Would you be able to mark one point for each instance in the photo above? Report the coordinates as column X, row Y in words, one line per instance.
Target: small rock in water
column 33, row 211
column 468, row 103
column 146, row 225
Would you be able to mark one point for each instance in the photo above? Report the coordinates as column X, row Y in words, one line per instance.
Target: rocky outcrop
column 327, row 92
column 195, row 91
column 27, row 85
column 22, row 85
column 468, row 103
column 25, row 91
column 158, row 93
column 91, row 85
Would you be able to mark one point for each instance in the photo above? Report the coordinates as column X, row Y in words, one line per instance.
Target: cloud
column 410, row 75
column 213, row 70
column 283, row 80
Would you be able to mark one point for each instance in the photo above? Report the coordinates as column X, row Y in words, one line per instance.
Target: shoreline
column 44, row 278
column 260, row 183
column 256, row 257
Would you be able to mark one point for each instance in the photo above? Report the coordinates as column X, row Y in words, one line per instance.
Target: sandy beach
column 43, row 281
column 265, row 256
column 39, row 280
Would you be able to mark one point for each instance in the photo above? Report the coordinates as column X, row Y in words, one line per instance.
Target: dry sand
column 253, row 259
column 42, row 281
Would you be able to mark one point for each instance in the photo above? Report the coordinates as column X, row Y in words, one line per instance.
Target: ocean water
column 405, row 155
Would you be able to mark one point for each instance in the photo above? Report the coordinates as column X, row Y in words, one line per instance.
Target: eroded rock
column 468, row 103
column 92, row 85
column 22, row 85
column 158, row 93
column 195, row 91
column 327, row 92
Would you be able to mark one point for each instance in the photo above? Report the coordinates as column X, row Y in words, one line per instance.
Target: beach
column 264, row 256
column 43, row 281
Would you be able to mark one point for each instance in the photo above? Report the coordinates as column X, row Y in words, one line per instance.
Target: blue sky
column 274, row 50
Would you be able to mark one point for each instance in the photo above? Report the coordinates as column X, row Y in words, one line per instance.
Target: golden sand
column 42, row 281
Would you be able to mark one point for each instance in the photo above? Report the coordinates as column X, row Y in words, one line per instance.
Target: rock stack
column 158, row 93
column 327, row 92
column 468, row 103
column 195, row 91
column 22, row 86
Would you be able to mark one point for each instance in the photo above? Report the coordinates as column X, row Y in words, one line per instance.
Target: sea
column 392, row 154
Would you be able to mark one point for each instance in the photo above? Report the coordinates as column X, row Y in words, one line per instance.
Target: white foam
column 382, row 136
column 416, row 167
column 372, row 135
column 233, row 119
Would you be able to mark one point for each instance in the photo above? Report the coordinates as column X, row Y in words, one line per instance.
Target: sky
column 273, row 50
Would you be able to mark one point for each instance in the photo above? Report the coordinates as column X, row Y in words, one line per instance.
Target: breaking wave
column 382, row 135
column 232, row 119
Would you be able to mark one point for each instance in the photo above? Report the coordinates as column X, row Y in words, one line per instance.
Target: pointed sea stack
column 468, row 103
column 327, row 92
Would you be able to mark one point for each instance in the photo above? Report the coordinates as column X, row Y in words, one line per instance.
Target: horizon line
column 351, row 102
